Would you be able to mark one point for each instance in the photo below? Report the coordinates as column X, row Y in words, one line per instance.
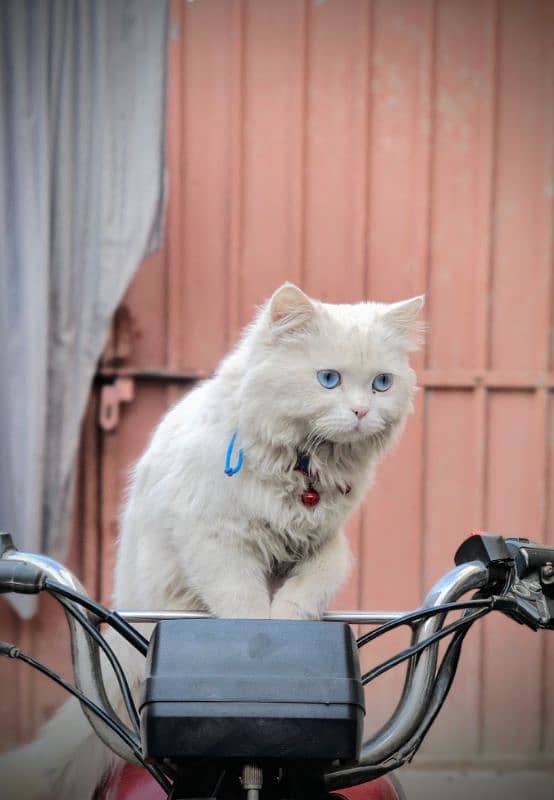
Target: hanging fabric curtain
column 82, row 111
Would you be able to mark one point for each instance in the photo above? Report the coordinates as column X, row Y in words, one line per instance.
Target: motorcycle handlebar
column 378, row 748
column 419, row 680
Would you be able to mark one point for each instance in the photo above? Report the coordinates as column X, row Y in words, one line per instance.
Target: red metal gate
column 364, row 149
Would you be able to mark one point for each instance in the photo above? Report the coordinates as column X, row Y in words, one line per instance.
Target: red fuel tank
column 134, row 783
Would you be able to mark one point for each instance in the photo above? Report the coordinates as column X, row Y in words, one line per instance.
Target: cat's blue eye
column 382, row 382
column 329, row 378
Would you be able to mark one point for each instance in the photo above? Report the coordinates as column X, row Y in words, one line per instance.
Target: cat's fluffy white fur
column 246, row 545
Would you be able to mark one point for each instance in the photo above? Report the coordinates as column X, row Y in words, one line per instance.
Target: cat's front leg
column 230, row 581
column 312, row 583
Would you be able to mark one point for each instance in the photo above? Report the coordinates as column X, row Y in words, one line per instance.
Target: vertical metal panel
column 523, row 196
column 272, row 153
column 207, row 45
column 146, row 301
column 10, row 678
column 87, row 516
column 337, row 105
column 450, row 510
column 461, row 180
column 236, row 155
column 399, row 148
column 172, row 245
column 512, row 672
column 119, row 450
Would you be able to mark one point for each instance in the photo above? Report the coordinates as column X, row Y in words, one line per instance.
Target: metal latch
column 117, row 353
column 122, row 390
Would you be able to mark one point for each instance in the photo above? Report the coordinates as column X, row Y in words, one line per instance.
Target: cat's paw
column 282, row 608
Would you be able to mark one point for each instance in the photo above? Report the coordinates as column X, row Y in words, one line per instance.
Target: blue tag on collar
column 229, row 470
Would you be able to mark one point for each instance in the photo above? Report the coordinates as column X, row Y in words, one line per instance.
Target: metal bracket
column 122, row 390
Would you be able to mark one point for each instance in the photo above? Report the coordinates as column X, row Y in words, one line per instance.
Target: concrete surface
column 476, row 785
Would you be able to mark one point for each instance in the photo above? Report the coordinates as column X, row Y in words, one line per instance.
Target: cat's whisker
column 312, row 442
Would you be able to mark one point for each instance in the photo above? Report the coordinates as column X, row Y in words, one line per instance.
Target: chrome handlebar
column 419, row 681
column 375, row 750
column 85, row 653
column 420, row 675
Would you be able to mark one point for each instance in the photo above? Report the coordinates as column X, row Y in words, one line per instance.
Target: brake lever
column 521, row 576
column 527, row 603
column 532, row 587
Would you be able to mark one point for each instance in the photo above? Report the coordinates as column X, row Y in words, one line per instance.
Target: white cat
column 237, row 504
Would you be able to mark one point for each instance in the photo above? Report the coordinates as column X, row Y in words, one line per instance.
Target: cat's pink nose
column 360, row 411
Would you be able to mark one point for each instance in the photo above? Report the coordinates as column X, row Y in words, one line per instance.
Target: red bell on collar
column 310, row 497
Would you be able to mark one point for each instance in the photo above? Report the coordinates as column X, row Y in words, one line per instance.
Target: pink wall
column 367, row 149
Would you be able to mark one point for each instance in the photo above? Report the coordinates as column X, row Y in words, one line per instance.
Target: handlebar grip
column 6, row 542
column 531, row 556
column 20, row 577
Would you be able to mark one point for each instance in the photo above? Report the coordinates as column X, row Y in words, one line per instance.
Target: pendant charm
column 310, row 497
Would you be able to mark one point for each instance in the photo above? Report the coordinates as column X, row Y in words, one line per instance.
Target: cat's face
column 323, row 372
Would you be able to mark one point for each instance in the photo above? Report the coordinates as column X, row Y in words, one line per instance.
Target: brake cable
column 112, row 658
column 10, row 650
column 112, row 618
column 441, row 687
column 462, row 623
column 424, row 613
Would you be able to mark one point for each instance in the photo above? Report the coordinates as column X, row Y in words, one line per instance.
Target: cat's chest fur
column 282, row 527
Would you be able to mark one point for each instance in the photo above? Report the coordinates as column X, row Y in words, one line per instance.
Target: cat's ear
column 402, row 317
column 290, row 310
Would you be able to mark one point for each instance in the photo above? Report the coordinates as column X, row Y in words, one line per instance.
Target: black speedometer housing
column 252, row 689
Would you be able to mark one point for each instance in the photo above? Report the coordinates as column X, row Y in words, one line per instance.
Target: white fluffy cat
column 310, row 398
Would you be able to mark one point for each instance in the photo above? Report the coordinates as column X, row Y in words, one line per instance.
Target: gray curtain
column 82, row 109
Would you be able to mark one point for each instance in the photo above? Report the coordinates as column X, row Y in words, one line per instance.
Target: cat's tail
column 67, row 760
